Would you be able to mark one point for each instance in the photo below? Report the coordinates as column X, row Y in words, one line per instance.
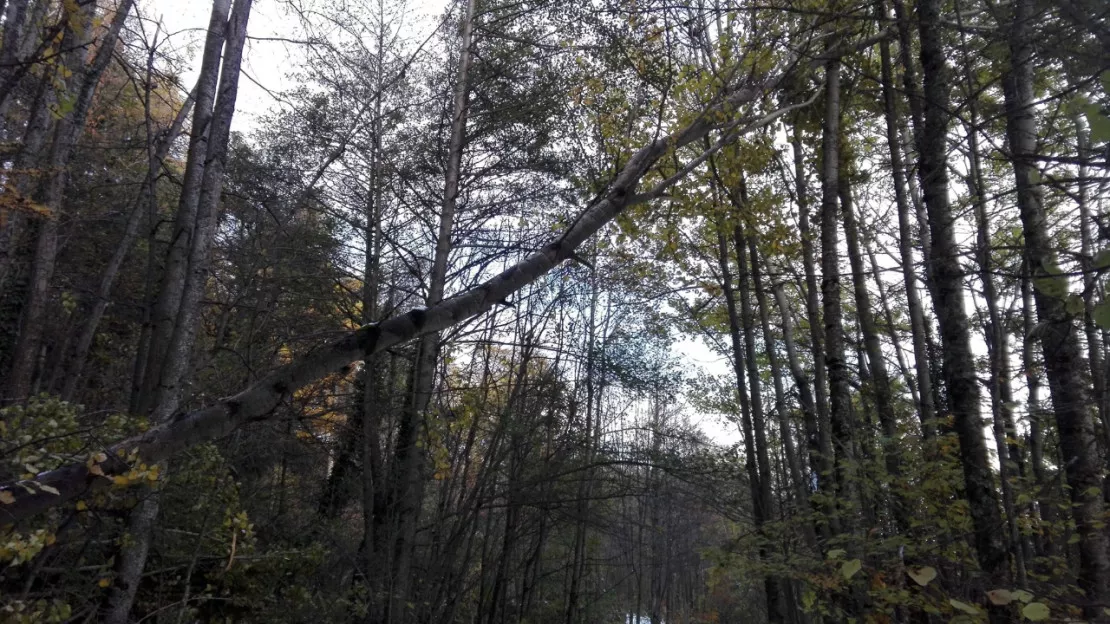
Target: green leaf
column 963, row 606
column 1102, row 259
column 1099, row 123
column 836, row 553
column 1074, row 304
column 923, row 575
column 1022, row 595
column 849, row 569
column 1051, row 286
column 1101, row 314
column 1035, row 611
column 1000, row 597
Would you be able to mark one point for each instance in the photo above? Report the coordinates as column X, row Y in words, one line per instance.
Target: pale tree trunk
column 997, row 340
column 925, row 406
column 947, row 276
column 68, row 131
column 801, row 383
column 102, row 298
column 764, row 509
column 409, row 478
column 821, row 449
column 840, row 401
column 879, row 377
column 132, row 556
column 179, row 356
column 751, row 453
column 793, row 462
column 594, row 391
column 172, row 284
column 1046, row 504
column 374, row 397
column 1095, row 345
column 1063, row 361
column 888, row 320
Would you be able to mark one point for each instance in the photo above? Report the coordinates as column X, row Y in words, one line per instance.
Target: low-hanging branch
column 19, row 500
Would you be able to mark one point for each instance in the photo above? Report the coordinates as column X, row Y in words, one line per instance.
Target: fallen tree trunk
column 19, row 500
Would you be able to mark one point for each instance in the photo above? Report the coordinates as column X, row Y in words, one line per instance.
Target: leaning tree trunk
column 163, row 315
column 259, row 401
column 102, row 298
column 132, row 557
column 1063, row 360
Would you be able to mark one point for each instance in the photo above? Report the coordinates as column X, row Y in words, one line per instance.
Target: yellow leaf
column 7, row 497
column 82, row 506
column 1000, row 597
column 104, row 582
column 922, row 576
column 121, row 480
column 963, row 606
column 1035, row 611
column 849, row 569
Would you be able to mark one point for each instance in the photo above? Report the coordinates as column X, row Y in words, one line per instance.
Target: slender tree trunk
column 410, row 478
column 997, row 346
column 890, row 324
column 115, row 263
column 172, row 284
column 132, row 557
column 68, row 131
column 879, row 378
column 1095, row 345
column 926, row 409
column 823, row 466
column 793, row 462
column 1046, row 505
column 764, row 509
column 801, row 383
column 947, row 276
column 840, row 403
column 1064, row 365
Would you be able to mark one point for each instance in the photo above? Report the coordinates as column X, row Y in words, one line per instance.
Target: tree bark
column 102, row 298
column 840, row 401
column 260, row 400
column 879, row 378
column 961, row 382
column 67, row 133
column 172, row 284
column 132, row 556
column 1063, row 361
column 926, row 409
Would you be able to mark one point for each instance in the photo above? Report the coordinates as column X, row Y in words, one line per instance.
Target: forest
column 555, row 311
